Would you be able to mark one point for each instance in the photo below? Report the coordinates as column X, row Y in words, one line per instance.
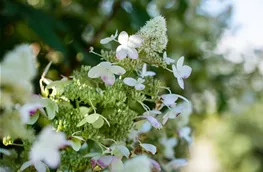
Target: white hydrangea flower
column 154, row 35
column 27, row 110
column 167, row 60
column 169, row 99
column 106, row 71
column 185, row 133
column 149, row 115
column 47, row 146
column 18, row 64
column 173, row 113
column 128, row 45
column 145, row 73
column 138, row 84
column 46, row 149
column 169, row 145
column 181, row 71
column 109, row 39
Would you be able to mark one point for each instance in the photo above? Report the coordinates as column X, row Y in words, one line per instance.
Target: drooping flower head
column 106, row 71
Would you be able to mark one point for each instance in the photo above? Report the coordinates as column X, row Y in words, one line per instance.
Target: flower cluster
column 97, row 110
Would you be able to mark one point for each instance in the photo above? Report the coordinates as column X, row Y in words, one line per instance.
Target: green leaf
column 89, row 119
column 98, row 123
column 92, row 118
column 76, row 144
column 84, row 110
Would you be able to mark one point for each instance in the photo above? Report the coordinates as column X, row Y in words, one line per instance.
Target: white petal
column 108, row 78
column 140, row 80
column 130, row 81
column 117, row 165
column 124, row 150
column 105, row 64
column 40, row 166
column 169, row 99
column 155, row 123
column 135, row 41
column 105, row 40
column 149, row 73
column 180, row 82
column 53, row 160
column 139, row 86
column 25, row 165
column 168, row 60
column 140, row 163
column 149, row 147
column 186, row 71
column 180, row 62
column 123, row 38
column 164, row 55
column 121, row 52
column 95, row 72
column 132, row 53
column 117, row 70
column 175, row 71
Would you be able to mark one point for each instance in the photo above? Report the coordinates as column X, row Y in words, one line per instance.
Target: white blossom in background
column 167, row 60
column 185, row 133
column 140, row 163
column 109, row 39
column 17, row 70
column 175, row 164
column 137, row 84
column 128, row 45
column 106, row 71
column 181, row 71
column 169, row 145
column 145, row 73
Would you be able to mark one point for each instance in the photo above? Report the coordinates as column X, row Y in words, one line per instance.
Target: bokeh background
column 221, row 40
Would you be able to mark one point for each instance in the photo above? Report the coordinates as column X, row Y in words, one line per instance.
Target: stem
column 94, row 109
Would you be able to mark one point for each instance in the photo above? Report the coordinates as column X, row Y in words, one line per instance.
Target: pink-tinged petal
column 53, row 160
column 180, row 82
column 132, row 53
column 121, row 52
column 105, row 161
column 175, row 71
column 117, row 70
column 130, row 81
column 123, row 38
column 95, row 72
column 93, row 162
column 108, row 78
column 186, row 71
column 135, row 41
column 180, row 63
column 139, row 87
column 155, row 123
column 155, row 164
